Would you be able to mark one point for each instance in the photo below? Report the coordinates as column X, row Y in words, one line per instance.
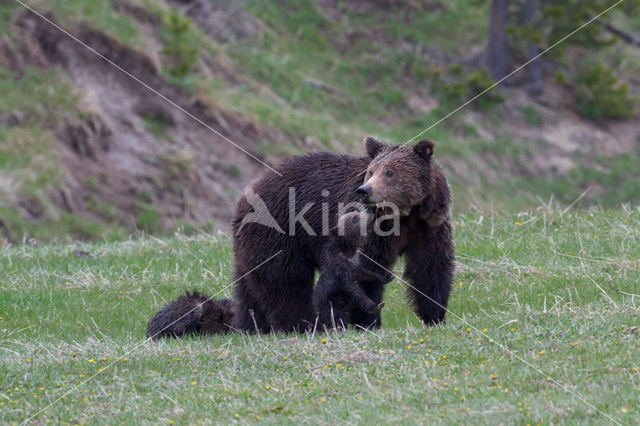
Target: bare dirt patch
column 130, row 148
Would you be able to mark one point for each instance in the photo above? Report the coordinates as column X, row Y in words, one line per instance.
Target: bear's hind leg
column 248, row 315
column 292, row 313
column 289, row 297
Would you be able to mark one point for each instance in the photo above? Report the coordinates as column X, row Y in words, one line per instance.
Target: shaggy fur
column 278, row 294
column 193, row 313
column 338, row 291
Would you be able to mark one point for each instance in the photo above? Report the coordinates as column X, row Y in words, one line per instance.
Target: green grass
column 7, row 8
column 42, row 97
column 554, row 291
column 102, row 16
column 157, row 126
column 28, row 154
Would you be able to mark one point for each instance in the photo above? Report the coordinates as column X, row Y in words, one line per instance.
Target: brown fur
column 338, row 291
column 274, row 271
column 192, row 313
column 279, row 294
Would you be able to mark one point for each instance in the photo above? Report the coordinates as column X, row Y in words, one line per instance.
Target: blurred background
column 88, row 152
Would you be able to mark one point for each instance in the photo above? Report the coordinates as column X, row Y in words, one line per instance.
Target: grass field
column 538, row 332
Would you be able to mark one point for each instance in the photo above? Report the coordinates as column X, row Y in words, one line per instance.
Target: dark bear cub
column 193, row 313
column 338, row 292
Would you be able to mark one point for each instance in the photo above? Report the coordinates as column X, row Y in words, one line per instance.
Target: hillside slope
column 123, row 154
column 87, row 151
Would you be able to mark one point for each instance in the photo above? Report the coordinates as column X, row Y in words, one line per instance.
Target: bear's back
column 315, row 179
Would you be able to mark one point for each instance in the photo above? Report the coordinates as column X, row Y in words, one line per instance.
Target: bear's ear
column 373, row 146
column 424, row 149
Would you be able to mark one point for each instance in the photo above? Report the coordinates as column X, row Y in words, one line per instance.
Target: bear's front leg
column 368, row 320
column 430, row 264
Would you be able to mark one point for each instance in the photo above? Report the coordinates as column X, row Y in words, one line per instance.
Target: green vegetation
column 619, row 173
column 535, row 26
column 328, row 75
column 532, row 117
column 535, row 292
column 156, row 125
column 464, row 86
column 179, row 47
column 147, row 217
column 60, row 226
column 601, row 95
column 102, row 16
column 299, row 43
column 534, row 295
column 30, row 168
column 7, row 8
column 43, row 98
column 23, row 151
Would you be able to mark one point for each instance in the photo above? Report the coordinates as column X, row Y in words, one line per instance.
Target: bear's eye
column 389, row 173
column 369, row 173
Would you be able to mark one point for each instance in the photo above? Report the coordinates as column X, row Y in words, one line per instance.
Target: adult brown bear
column 280, row 231
column 278, row 295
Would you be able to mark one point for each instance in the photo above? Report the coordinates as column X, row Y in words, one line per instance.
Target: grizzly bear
column 193, row 313
column 275, row 260
column 274, row 265
column 338, row 290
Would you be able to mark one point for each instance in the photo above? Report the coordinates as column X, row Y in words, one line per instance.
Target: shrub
column 560, row 77
column 178, row 47
column 462, row 87
column 148, row 217
column 479, row 81
column 600, row 95
column 532, row 117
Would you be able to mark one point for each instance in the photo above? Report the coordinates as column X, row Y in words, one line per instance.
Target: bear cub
column 338, row 291
column 192, row 313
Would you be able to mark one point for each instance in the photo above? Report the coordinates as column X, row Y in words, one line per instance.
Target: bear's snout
column 364, row 191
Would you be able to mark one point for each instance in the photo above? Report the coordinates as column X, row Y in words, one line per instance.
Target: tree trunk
column 528, row 16
column 498, row 58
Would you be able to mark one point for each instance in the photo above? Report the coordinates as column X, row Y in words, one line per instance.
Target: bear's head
column 398, row 175
column 352, row 226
